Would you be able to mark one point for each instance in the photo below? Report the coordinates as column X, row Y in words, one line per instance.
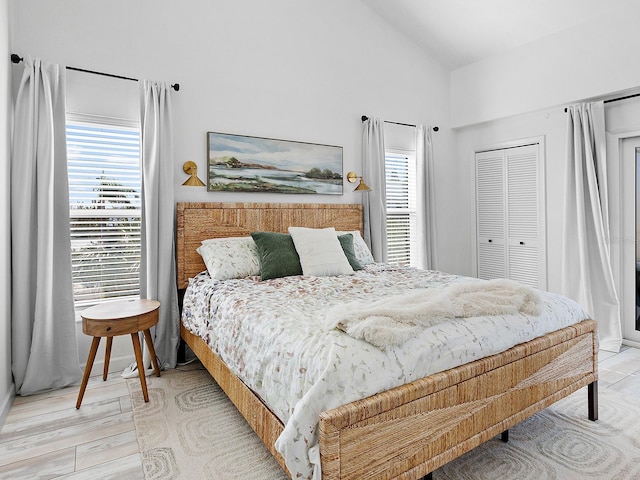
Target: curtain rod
column 622, row 98
column 15, row 58
column 364, row 118
column 619, row 98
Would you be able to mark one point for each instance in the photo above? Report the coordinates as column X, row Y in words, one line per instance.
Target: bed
column 408, row 431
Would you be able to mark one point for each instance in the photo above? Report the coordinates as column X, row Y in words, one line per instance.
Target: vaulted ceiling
column 461, row 32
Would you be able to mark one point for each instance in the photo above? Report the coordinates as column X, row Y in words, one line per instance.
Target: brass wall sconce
column 362, row 187
column 191, row 168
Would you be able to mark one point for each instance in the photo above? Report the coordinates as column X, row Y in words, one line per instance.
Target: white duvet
column 270, row 334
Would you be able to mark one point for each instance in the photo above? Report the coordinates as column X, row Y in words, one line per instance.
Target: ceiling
column 461, row 32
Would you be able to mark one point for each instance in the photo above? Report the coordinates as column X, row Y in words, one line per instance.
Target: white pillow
column 232, row 257
column 320, row 252
column 360, row 248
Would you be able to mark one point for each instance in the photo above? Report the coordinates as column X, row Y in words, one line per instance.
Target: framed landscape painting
column 238, row 163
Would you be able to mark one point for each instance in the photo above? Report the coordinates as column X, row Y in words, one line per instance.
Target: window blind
column 104, row 199
column 400, row 172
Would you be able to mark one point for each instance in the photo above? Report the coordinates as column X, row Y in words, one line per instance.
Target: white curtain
column 375, row 201
column 427, row 255
column 157, row 264
column 44, row 351
column 586, row 270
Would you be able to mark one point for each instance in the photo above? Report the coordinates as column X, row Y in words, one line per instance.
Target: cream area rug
column 190, row 430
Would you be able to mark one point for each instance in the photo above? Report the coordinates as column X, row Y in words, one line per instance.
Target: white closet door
column 510, row 215
column 490, row 205
column 523, row 253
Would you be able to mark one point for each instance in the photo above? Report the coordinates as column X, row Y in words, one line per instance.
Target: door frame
column 623, row 227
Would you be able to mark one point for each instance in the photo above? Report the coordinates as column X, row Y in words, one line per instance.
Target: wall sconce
column 191, row 168
column 362, row 187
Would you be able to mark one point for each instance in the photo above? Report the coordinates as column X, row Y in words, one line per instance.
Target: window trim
column 76, row 117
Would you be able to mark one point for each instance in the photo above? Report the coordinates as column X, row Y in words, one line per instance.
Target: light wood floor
column 44, row 436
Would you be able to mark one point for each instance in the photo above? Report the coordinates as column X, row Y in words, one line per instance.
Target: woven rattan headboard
column 199, row 221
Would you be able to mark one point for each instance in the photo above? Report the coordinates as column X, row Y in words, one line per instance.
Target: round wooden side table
column 120, row 318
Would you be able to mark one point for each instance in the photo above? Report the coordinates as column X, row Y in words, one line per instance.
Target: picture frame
column 241, row 163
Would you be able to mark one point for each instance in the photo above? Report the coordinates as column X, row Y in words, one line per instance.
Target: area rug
column 190, row 430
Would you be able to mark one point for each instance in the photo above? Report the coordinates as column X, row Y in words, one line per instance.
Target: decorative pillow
column 233, row 257
column 320, row 252
column 363, row 254
column 346, row 242
column 277, row 255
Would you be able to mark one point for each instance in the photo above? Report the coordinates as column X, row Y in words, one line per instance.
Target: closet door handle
column 521, row 243
column 490, row 240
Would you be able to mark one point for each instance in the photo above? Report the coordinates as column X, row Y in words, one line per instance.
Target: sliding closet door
column 510, row 215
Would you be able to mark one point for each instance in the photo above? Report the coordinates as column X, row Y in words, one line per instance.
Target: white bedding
column 270, row 335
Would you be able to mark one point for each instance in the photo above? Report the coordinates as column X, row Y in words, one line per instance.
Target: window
column 400, row 170
column 104, row 199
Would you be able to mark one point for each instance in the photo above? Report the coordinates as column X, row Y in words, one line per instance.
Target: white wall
column 522, row 94
column 549, row 124
column 290, row 69
column 6, row 381
column 622, row 119
column 586, row 61
column 299, row 70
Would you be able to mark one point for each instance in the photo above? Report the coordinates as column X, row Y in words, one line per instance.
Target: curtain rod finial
column 364, row 118
column 176, row 87
column 15, row 58
column 435, row 129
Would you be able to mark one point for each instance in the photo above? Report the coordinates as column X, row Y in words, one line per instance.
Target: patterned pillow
column 363, row 254
column 233, row 257
column 320, row 252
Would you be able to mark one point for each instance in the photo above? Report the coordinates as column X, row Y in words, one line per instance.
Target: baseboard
column 116, row 365
column 630, row 343
column 5, row 406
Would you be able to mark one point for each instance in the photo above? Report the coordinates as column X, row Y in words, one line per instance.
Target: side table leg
column 152, row 351
column 87, row 369
column 143, row 381
column 107, row 357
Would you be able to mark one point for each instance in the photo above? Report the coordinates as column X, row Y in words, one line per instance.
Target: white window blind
column 401, row 206
column 104, row 198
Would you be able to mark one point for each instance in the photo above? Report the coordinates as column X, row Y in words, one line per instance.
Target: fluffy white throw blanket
column 393, row 320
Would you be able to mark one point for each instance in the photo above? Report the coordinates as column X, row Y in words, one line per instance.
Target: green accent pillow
column 277, row 254
column 346, row 242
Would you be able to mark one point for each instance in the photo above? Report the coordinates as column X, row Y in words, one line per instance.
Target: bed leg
column 505, row 436
column 428, row 476
column 182, row 356
column 593, row 400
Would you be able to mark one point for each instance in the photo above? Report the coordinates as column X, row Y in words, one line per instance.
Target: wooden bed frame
column 409, row 431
